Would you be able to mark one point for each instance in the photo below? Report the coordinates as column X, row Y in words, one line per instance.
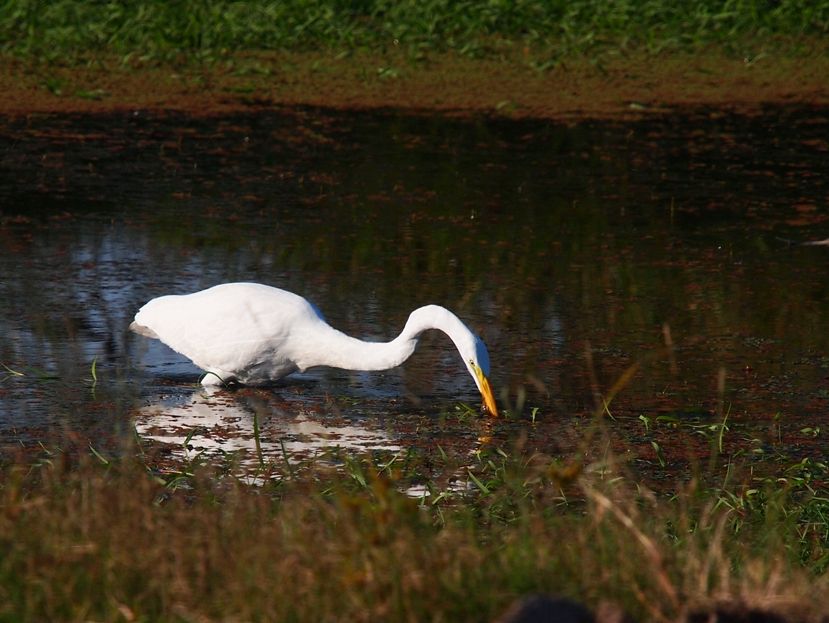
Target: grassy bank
column 113, row 541
column 532, row 59
column 209, row 29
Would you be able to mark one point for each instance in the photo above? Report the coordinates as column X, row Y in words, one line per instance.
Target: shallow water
column 576, row 252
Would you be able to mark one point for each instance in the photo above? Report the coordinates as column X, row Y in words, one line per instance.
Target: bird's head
column 471, row 348
column 477, row 362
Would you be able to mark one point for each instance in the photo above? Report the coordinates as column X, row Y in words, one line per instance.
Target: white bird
column 252, row 333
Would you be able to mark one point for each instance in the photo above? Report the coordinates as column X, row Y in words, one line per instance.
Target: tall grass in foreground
column 158, row 29
column 113, row 542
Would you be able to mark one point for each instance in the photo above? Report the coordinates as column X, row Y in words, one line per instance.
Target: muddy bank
column 622, row 87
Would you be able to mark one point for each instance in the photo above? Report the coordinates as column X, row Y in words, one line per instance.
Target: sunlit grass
column 110, row 539
column 204, row 30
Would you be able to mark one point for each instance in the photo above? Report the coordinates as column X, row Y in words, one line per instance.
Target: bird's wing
column 232, row 327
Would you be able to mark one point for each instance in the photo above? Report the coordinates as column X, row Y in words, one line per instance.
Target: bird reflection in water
column 214, row 422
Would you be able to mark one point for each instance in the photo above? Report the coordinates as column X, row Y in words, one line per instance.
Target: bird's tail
column 140, row 329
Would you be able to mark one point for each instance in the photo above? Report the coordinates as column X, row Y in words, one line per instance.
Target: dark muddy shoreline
column 620, row 87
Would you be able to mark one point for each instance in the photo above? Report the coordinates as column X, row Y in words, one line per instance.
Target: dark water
column 576, row 252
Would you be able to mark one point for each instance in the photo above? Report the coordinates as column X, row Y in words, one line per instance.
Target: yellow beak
column 486, row 392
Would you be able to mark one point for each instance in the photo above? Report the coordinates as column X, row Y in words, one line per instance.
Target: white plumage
column 252, row 333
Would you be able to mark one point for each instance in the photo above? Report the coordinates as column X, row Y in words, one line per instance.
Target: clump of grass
column 154, row 29
column 111, row 540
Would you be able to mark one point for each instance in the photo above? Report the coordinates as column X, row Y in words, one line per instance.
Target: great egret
column 252, row 333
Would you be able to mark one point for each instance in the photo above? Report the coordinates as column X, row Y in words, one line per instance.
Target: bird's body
column 252, row 333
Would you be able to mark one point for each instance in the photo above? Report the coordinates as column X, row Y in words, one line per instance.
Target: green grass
column 200, row 29
column 103, row 539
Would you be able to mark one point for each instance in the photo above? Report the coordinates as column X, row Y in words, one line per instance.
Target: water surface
column 671, row 244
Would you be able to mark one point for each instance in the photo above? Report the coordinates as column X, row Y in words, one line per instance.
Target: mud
column 622, row 86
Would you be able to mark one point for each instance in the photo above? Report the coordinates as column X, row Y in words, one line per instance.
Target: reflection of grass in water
column 39, row 374
column 107, row 541
column 31, row 372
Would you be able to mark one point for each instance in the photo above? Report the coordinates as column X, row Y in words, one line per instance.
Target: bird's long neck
column 339, row 350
